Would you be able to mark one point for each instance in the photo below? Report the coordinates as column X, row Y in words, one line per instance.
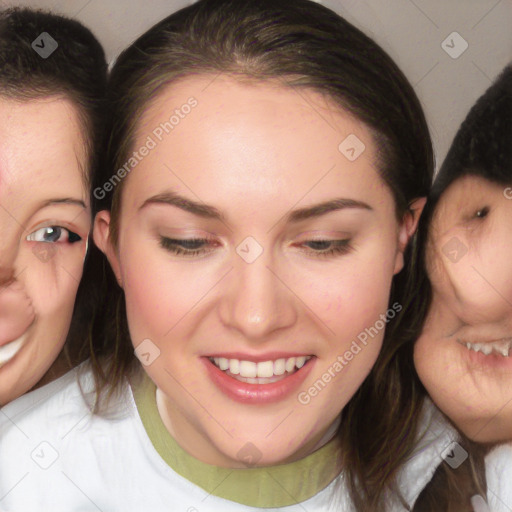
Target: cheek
column 350, row 296
column 157, row 293
column 52, row 283
column 494, row 257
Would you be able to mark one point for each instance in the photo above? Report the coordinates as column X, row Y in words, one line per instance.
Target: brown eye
column 482, row 213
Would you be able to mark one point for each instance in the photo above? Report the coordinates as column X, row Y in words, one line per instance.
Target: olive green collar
column 273, row 486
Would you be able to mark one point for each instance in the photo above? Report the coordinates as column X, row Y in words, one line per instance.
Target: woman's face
column 45, row 221
column 251, row 244
column 463, row 354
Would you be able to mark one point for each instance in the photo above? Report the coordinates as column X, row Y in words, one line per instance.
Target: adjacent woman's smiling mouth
column 9, row 350
column 499, row 347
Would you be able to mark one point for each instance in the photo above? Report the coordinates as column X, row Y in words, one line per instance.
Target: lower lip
column 493, row 360
column 258, row 393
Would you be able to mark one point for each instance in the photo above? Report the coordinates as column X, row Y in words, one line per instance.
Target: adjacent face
column 464, row 354
column 253, row 254
column 44, row 220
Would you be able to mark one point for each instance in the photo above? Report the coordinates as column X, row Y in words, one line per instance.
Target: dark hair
column 75, row 71
column 482, row 147
column 304, row 45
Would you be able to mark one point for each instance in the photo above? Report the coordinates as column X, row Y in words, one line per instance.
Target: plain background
column 418, row 34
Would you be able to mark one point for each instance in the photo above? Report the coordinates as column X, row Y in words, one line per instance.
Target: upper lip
column 483, row 342
column 473, row 335
column 257, row 358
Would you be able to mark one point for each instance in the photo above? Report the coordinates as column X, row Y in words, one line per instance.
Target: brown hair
column 308, row 46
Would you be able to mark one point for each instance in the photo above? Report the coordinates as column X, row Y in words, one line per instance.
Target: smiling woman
column 45, row 217
column 254, row 247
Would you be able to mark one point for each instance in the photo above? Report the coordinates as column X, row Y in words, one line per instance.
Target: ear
column 101, row 235
column 407, row 230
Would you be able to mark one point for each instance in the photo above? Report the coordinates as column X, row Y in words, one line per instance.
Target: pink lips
column 257, row 393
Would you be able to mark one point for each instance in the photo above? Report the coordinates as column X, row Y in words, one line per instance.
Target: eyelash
column 72, row 236
column 338, row 247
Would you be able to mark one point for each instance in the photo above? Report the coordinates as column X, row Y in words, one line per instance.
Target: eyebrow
column 210, row 212
column 321, row 209
column 63, row 200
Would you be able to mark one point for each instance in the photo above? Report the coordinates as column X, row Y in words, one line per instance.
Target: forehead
column 41, row 148
column 248, row 135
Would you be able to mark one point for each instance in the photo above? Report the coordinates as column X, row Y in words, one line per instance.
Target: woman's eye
column 54, row 234
column 201, row 246
column 328, row 247
column 185, row 247
column 482, row 212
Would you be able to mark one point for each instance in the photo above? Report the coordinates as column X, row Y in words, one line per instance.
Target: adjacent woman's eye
column 185, row 247
column 328, row 247
column 53, row 234
column 482, row 212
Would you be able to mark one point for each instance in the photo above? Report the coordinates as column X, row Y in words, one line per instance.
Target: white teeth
column 290, row 364
column 503, row 347
column 251, row 371
column 234, row 366
column 279, row 366
column 299, row 361
column 248, row 369
column 497, row 347
column 8, row 351
column 265, row 369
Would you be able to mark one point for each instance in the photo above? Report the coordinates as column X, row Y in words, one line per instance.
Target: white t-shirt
column 55, row 456
column 498, row 472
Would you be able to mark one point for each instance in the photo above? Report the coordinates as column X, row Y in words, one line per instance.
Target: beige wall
column 412, row 31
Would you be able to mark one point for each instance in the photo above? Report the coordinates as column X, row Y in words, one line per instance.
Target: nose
column 257, row 301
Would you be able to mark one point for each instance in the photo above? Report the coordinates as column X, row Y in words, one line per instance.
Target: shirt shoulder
column 498, row 472
column 435, row 437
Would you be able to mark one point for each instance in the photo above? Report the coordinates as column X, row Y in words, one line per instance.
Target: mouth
column 265, row 381
column 502, row 347
column 9, row 350
column 263, row 372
